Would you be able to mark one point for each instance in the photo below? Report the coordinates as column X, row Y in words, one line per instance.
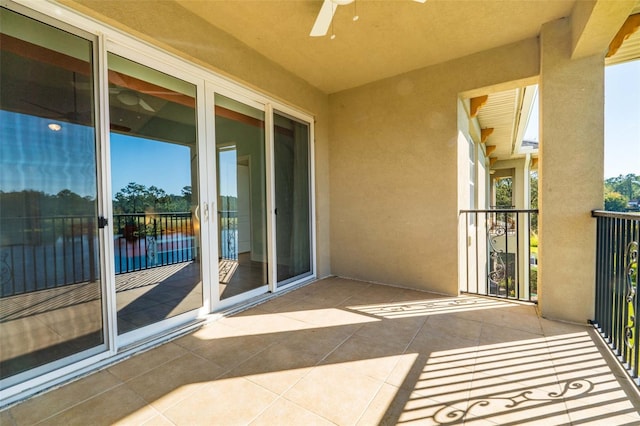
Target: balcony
column 349, row 352
column 501, row 253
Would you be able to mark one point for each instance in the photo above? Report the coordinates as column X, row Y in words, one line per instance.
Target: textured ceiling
column 390, row 37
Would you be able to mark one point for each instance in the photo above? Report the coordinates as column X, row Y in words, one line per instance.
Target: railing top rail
column 501, row 211
column 615, row 215
column 152, row 214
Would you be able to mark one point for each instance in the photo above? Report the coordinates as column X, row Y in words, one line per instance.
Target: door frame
column 138, row 335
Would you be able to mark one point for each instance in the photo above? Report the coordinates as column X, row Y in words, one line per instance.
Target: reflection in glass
column 293, row 231
column 242, row 226
column 154, row 172
column 50, row 286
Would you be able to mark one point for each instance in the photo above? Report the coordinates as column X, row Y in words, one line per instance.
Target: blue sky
column 622, row 120
column 149, row 162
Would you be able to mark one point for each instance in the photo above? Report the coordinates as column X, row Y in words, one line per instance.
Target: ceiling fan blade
column 323, row 21
column 145, row 105
column 42, row 107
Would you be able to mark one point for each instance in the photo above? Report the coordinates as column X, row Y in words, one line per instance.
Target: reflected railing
column 616, row 301
column 228, row 234
column 143, row 241
column 501, row 253
column 46, row 252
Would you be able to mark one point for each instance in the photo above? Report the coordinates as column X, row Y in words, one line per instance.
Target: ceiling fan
column 130, row 98
column 325, row 16
column 125, row 96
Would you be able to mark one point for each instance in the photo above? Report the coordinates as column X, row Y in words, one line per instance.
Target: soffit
column 391, row 37
column 630, row 49
column 499, row 114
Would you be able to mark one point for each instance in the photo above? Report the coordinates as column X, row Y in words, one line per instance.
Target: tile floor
column 353, row 353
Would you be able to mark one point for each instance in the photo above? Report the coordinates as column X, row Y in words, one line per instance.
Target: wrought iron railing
column 501, row 253
column 43, row 252
column 40, row 253
column 143, row 241
column 228, row 222
column 616, row 306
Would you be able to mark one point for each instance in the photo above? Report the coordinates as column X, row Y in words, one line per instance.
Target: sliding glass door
column 241, row 188
column 154, row 179
column 51, row 294
column 293, row 198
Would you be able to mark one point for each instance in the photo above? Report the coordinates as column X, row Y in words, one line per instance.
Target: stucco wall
column 170, row 27
column 394, row 168
column 571, row 170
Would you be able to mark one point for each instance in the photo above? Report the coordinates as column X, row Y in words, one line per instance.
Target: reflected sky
column 149, row 162
column 34, row 157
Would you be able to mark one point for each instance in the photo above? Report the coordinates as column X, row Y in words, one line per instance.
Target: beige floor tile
column 454, row 327
column 492, row 334
column 598, row 395
column 407, row 371
column 385, row 407
column 174, row 381
column 158, row 420
column 228, row 352
column 143, row 362
column 398, row 332
column 369, row 357
column 57, row 400
column 494, row 385
column 277, row 368
column 208, row 333
column 415, row 409
column 284, row 412
column 553, row 328
column 451, row 390
column 118, row 406
column 279, row 382
column 502, row 401
column 234, row 401
column 329, row 317
column 442, row 348
column 264, row 323
column 6, row 419
column 335, row 393
column 281, row 304
column 522, row 319
column 503, row 412
column 374, row 294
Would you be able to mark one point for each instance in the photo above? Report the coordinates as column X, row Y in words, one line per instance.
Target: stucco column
column 571, row 173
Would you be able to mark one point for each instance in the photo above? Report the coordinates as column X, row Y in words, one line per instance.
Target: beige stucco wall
column 394, row 168
column 571, row 170
column 172, row 28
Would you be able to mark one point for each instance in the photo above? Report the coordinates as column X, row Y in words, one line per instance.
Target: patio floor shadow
column 347, row 352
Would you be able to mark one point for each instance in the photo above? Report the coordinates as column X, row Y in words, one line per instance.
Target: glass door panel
column 292, row 194
column 154, row 157
column 242, row 224
column 50, row 288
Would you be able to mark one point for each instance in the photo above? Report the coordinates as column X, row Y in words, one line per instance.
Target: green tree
column 130, row 199
column 533, row 187
column 503, row 193
column 627, row 185
column 615, row 202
